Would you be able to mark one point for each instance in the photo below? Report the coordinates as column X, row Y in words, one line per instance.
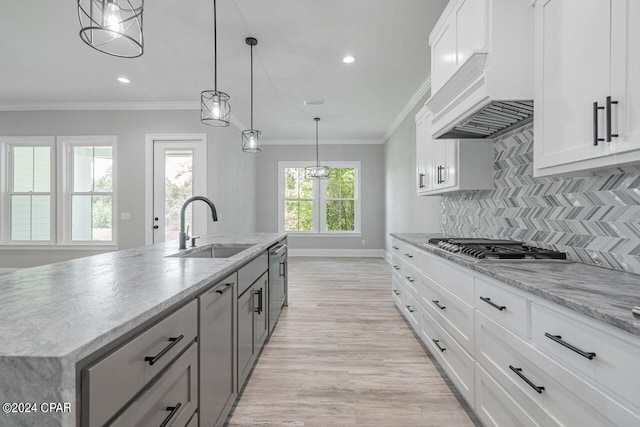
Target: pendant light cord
column 215, row 49
column 252, row 87
column 317, row 156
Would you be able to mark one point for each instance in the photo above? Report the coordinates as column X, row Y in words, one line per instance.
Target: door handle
column 259, row 294
column 155, row 227
column 595, row 124
column 281, row 269
column 608, row 114
column 421, row 180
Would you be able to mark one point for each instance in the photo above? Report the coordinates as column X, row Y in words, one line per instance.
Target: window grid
column 299, row 177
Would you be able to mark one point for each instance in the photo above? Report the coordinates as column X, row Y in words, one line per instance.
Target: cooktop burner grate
column 495, row 249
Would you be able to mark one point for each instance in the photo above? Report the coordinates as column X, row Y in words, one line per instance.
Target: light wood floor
column 341, row 355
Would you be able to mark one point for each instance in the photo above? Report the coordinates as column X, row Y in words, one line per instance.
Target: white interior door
column 179, row 172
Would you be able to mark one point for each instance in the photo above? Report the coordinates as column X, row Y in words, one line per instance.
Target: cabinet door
column 424, row 156
column 573, row 51
column 245, row 334
column 443, row 55
column 450, row 171
column 217, row 388
column 625, row 69
column 260, row 319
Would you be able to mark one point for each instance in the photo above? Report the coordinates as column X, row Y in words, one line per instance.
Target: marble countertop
column 600, row 293
column 71, row 309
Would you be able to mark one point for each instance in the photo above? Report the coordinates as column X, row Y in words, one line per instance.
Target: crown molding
column 323, row 142
column 422, row 91
column 111, row 106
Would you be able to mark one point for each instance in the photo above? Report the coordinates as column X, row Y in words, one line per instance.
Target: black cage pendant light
column 215, row 109
column 112, row 26
column 251, row 138
column 317, row 171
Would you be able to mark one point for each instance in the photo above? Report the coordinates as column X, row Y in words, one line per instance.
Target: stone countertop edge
column 181, row 279
column 602, row 294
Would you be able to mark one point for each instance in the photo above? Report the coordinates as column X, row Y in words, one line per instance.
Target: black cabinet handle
column 227, row 286
column 493, row 304
column 395, row 247
column 155, row 227
column 440, row 178
column 519, row 373
column 558, row 338
column 595, row 124
column 411, row 310
column 409, row 279
column 436, row 342
column 172, row 343
column 608, row 114
column 259, row 308
column 421, row 180
column 281, row 269
column 437, row 303
column 396, row 292
column 174, row 410
column 408, row 255
column 396, row 267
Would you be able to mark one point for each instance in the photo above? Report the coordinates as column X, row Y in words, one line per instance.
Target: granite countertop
column 600, row 293
column 71, row 309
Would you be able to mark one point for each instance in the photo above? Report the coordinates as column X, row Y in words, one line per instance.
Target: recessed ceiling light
column 348, row 59
column 124, row 80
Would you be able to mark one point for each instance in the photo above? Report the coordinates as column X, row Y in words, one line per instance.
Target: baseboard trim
column 360, row 253
column 387, row 257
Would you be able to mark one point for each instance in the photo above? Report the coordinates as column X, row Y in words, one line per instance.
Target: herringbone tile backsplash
column 595, row 219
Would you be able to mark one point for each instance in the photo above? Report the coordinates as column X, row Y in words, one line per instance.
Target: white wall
column 372, row 192
column 231, row 173
column 405, row 211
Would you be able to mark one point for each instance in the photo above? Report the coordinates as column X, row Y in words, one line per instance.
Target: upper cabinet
column 445, row 165
column 481, row 68
column 587, row 94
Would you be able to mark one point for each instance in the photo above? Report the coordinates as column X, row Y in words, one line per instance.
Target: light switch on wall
column 125, row 216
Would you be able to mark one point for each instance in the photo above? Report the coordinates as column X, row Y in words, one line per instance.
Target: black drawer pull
column 608, row 116
column 438, row 345
column 437, row 303
column 411, row 310
column 227, row 286
column 282, row 269
column 408, row 255
column 396, row 267
column 421, row 180
column 595, row 124
column 519, row 373
column 409, row 279
column 172, row 343
column 558, row 338
column 259, row 308
column 493, row 304
column 395, row 247
column 174, row 410
column 396, row 292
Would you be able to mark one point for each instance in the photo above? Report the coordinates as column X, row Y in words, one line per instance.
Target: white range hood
column 482, row 69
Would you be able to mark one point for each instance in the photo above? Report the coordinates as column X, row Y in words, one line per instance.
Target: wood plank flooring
column 342, row 355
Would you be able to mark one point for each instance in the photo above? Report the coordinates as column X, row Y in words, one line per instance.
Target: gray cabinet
column 218, row 389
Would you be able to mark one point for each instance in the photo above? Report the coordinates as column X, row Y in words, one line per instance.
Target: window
column 330, row 206
column 57, row 190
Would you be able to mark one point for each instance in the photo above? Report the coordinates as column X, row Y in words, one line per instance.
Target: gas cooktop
column 488, row 249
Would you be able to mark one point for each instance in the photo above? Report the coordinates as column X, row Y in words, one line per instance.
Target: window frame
column 65, row 187
column 6, row 181
column 319, row 227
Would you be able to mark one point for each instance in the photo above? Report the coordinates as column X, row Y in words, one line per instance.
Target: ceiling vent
column 314, row 102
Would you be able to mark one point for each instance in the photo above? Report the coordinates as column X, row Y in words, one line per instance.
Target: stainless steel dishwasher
column 277, row 282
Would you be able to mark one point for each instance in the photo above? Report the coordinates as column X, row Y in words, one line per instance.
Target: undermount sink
column 217, row 252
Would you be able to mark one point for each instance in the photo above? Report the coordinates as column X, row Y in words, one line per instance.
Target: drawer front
column 453, row 314
column 505, row 307
column 397, row 265
column 496, row 408
column 614, row 362
column 448, row 275
column 397, row 291
column 404, row 251
column 458, row 364
column 177, row 388
column 248, row 274
column 411, row 281
column 112, row 381
column 410, row 310
column 542, row 386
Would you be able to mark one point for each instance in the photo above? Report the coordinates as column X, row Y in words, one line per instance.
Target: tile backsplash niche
column 595, row 219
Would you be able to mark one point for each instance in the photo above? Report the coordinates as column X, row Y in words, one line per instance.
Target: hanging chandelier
column 113, row 27
column 215, row 109
column 317, row 171
column 251, row 138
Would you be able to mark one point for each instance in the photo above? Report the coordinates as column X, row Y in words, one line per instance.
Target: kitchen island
column 55, row 317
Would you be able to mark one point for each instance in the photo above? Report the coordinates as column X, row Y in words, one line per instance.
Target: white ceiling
column 298, row 56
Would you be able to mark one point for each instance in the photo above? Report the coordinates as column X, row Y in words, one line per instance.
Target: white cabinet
column 444, row 165
column 586, row 98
